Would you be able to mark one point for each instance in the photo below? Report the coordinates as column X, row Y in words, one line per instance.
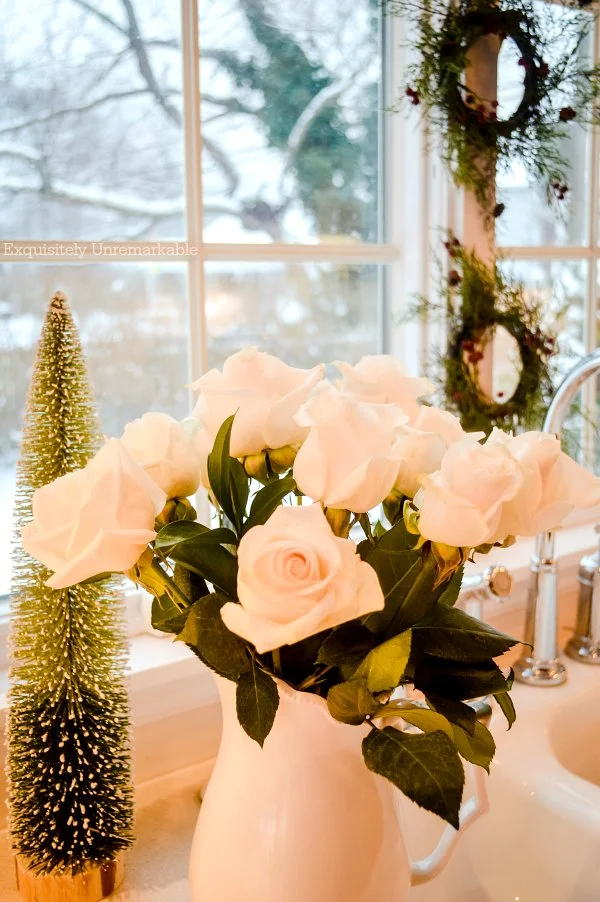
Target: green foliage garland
column 70, row 796
column 476, row 301
column 558, row 88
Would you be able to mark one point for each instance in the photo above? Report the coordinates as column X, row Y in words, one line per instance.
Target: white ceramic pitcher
column 303, row 819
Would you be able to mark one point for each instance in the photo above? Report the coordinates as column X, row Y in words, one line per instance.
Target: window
column 554, row 249
column 173, row 257
column 204, row 177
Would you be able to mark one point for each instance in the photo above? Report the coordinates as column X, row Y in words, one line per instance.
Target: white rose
column 95, row 520
column 553, row 485
column 347, row 459
column 461, row 504
column 419, row 453
column 162, row 447
column 297, row 578
column 381, row 379
column 264, row 394
column 202, row 444
column 432, row 419
column 422, row 444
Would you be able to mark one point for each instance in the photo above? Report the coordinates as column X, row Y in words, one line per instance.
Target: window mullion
column 590, row 319
column 197, row 343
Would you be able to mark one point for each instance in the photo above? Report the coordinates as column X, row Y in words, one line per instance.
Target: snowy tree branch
column 84, row 108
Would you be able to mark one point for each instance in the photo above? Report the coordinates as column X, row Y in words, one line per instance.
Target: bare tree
column 274, row 87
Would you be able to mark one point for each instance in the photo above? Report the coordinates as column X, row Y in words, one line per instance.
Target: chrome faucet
column 493, row 582
column 542, row 666
column 584, row 645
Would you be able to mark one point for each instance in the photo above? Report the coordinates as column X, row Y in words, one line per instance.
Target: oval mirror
column 495, row 364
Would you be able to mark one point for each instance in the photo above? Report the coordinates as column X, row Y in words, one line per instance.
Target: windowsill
column 157, row 865
column 175, row 710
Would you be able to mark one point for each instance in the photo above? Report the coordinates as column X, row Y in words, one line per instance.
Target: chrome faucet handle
column 493, row 582
column 542, row 666
column 584, row 645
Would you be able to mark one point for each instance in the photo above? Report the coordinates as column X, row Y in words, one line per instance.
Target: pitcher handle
column 426, row 868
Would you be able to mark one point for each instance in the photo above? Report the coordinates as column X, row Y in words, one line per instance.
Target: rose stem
column 276, row 655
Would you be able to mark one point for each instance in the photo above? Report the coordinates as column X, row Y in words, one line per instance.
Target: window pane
column 133, row 324
column 304, row 313
column 528, row 218
column 290, row 119
column 90, row 120
column 561, row 286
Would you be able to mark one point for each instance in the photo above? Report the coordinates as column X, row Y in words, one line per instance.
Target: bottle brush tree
column 70, row 794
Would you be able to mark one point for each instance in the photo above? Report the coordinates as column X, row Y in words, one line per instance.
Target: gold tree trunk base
column 92, row 885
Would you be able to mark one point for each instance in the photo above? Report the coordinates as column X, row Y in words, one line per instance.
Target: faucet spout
column 542, row 667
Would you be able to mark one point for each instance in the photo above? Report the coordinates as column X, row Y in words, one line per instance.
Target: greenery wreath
column 557, row 88
column 477, row 301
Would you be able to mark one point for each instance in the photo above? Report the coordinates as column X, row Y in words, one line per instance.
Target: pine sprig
column 70, row 796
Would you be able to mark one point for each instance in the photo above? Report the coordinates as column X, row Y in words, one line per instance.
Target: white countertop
column 156, row 867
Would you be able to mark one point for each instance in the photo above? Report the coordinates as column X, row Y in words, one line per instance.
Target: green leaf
column 479, row 748
column 351, row 702
column 409, row 590
column 179, row 531
column 364, row 549
column 454, row 680
column 346, row 644
column 397, row 539
column 425, row 767
column 99, row 577
column 426, row 720
column 207, row 635
column 239, row 490
column 507, row 707
column 298, row 660
column 267, row 500
column 452, row 588
column 256, row 700
column 213, row 563
column 166, row 616
column 384, row 666
column 219, row 468
column 228, row 479
column 379, row 530
column 366, row 527
column 456, row 712
column 185, row 530
column 407, row 579
column 450, row 633
column 192, row 585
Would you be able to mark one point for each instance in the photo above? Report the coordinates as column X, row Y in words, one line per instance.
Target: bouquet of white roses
column 282, row 587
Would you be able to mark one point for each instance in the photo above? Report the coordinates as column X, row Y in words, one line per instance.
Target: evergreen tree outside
column 70, row 793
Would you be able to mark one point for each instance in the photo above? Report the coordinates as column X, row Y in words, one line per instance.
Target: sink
column 540, row 841
column 574, row 733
